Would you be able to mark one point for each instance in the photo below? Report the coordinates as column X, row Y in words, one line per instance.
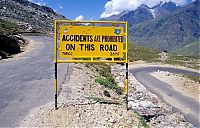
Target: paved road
column 27, row 82
column 187, row 106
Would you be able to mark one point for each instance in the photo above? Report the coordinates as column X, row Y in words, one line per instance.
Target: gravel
column 156, row 112
column 75, row 110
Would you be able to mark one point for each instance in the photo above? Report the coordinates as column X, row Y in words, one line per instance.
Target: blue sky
column 89, row 9
column 95, row 9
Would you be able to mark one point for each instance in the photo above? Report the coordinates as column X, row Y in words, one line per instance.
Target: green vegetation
column 7, row 26
column 142, row 53
column 108, row 84
column 194, row 78
column 149, row 55
column 186, row 61
column 143, row 122
column 191, row 49
column 102, row 100
column 106, row 79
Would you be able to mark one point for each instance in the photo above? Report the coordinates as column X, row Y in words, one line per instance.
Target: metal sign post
column 89, row 42
column 55, row 62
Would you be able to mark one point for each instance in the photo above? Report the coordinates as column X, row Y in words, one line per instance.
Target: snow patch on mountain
column 152, row 12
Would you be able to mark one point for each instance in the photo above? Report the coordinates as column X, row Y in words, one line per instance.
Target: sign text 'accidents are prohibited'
column 91, row 41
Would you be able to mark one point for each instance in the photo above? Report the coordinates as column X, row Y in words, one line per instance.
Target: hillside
column 28, row 15
column 7, row 27
column 191, row 49
column 137, row 53
column 18, row 16
column 170, row 32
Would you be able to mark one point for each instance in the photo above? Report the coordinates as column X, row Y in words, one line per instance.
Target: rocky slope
column 144, row 13
column 29, row 15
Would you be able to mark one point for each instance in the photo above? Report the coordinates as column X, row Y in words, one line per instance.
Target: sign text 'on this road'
column 91, row 41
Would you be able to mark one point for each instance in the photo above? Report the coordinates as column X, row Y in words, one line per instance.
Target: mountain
column 30, row 16
column 137, row 16
column 171, row 31
column 144, row 13
column 163, row 9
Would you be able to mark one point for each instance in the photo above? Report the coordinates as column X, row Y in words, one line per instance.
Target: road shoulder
column 79, row 105
column 179, row 83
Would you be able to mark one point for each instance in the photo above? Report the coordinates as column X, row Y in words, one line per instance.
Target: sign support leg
column 55, row 86
column 126, row 87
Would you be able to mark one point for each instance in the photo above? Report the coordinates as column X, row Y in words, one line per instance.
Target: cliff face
column 29, row 15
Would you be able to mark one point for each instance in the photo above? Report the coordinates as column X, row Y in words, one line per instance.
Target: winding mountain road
column 27, row 81
column 187, row 106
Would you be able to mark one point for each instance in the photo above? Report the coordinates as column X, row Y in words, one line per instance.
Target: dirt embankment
column 11, row 44
column 83, row 103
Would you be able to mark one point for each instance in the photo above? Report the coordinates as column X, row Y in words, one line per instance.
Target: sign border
column 91, row 60
column 56, row 49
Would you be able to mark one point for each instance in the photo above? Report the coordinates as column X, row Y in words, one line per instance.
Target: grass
column 106, row 78
column 102, row 100
column 142, row 53
column 108, row 84
column 190, row 49
column 186, row 61
column 194, row 78
column 143, row 122
column 150, row 55
column 7, row 26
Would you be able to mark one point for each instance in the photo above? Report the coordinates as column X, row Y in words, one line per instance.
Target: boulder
column 9, row 44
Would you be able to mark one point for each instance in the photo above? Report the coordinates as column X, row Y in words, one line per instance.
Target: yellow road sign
column 91, row 41
column 78, row 41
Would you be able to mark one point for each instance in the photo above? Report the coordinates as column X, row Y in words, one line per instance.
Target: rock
column 120, row 84
column 3, row 55
column 106, row 93
column 133, row 105
column 112, row 120
column 9, row 44
column 146, row 104
column 77, row 115
column 140, row 88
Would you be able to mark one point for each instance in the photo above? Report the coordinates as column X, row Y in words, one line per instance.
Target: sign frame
column 91, row 60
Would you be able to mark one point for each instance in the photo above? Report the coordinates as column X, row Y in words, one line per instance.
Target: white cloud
column 115, row 7
column 38, row 2
column 55, row 10
column 60, row 7
column 41, row 3
column 79, row 18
